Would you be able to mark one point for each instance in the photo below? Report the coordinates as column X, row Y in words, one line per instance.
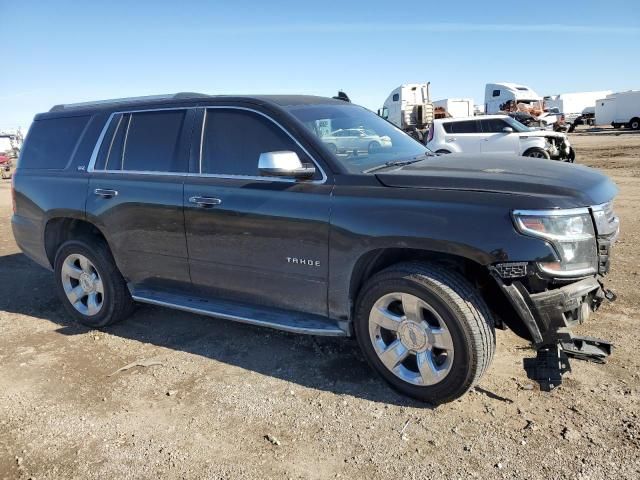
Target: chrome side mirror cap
column 284, row 164
column 507, row 130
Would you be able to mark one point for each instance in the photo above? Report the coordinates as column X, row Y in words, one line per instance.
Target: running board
column 293, row 322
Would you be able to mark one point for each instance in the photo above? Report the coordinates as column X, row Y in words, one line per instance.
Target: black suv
column 238, row 208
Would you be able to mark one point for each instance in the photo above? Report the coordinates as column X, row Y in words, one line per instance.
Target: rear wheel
column 634, row 124
column 425, row 330
column 537, row 153
column 332, row 148
column 89, row 284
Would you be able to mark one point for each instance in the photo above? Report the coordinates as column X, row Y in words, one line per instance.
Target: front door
column 135, row 195
column 254, row 239
column 495, row 139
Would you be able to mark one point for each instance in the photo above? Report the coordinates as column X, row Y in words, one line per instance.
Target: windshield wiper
column 396, row 163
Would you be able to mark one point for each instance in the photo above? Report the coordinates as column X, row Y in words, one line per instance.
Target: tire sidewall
column 462, row 369
column 102, row 266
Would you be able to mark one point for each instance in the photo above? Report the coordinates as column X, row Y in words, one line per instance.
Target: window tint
column 493, row 125
column 496, row 93
column 151, row 142
column 396, row 97
column 468, row 126
column 234, row 139
column 50, row 143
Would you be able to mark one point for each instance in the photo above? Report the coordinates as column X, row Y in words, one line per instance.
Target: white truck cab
column 497, row 97
column 409, row 108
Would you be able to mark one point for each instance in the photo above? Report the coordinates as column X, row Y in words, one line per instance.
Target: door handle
column 451, row 139
column 105, row 192
column 205, row 202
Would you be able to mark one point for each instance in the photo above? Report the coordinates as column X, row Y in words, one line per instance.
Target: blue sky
column 59, row 51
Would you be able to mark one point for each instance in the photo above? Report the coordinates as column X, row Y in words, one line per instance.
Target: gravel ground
column 223, row 400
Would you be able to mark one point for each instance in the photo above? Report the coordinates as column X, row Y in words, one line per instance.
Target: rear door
column 135, row 194
column 260, row 240
column 465, row 135
column 495, row 140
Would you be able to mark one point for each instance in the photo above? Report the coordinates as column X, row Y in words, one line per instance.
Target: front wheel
column 89, row 284
column 373, row 147
column 537, row 153
column 425, row 330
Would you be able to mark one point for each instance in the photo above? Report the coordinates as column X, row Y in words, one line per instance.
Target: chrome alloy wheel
column 411, row 339
column 82, row 284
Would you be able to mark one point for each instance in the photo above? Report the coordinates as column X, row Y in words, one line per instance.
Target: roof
column 281, row 100
column 462, row 119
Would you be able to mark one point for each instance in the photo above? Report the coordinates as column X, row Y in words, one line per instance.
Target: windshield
column 516, row 125
column 359, row 139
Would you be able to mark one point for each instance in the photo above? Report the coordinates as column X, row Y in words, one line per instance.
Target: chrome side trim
column 96, row 149
column 330, row 332
column 555, row 212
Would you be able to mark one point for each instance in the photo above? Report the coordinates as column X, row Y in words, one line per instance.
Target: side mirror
column 507, row 130
column 283, row 164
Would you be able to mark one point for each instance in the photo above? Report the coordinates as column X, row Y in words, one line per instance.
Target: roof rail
column 97, row 103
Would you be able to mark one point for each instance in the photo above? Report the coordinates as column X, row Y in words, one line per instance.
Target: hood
column 542, row 133
column 555, row 184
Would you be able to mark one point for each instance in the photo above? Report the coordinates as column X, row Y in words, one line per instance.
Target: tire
column 109, row 290
column 443, row 152
column 373, row 147
column 332, row 148
column 616, row 125
column 537, row 153
column 446, row 299
column 572, row 155
column 634, row 124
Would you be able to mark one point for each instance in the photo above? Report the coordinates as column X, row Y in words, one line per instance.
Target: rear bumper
column 545, row 314
column 29, row 237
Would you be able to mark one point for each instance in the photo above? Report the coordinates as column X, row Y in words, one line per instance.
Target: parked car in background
column 554, row 120
column 5, row 166
column 354, row 140
column 495, row 134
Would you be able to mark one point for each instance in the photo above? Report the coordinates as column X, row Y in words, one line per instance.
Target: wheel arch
column 374, row 261
column 58, row 230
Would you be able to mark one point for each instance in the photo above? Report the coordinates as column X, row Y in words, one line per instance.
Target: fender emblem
column 304, row 261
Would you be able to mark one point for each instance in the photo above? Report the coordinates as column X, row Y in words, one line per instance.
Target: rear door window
column 467, row 126
column 145, row 142
column 51, row 142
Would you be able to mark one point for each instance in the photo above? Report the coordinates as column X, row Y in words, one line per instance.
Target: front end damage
column 559, row 148
column 549, row 307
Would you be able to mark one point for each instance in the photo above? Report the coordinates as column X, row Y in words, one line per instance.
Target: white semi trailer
column 621, row 109
column 410, row 109
column 456, row 107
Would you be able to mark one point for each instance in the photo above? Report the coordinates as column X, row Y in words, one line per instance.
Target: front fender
column 450, row 222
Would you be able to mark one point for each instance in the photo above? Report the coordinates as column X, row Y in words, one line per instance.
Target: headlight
column 571, row 234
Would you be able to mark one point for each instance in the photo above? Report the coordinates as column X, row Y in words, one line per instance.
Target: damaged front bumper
column 548, row 314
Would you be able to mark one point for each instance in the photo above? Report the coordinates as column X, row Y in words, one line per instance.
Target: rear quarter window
column 51, row 142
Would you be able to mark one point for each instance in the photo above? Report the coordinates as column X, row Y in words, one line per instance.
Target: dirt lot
column 222, row 390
